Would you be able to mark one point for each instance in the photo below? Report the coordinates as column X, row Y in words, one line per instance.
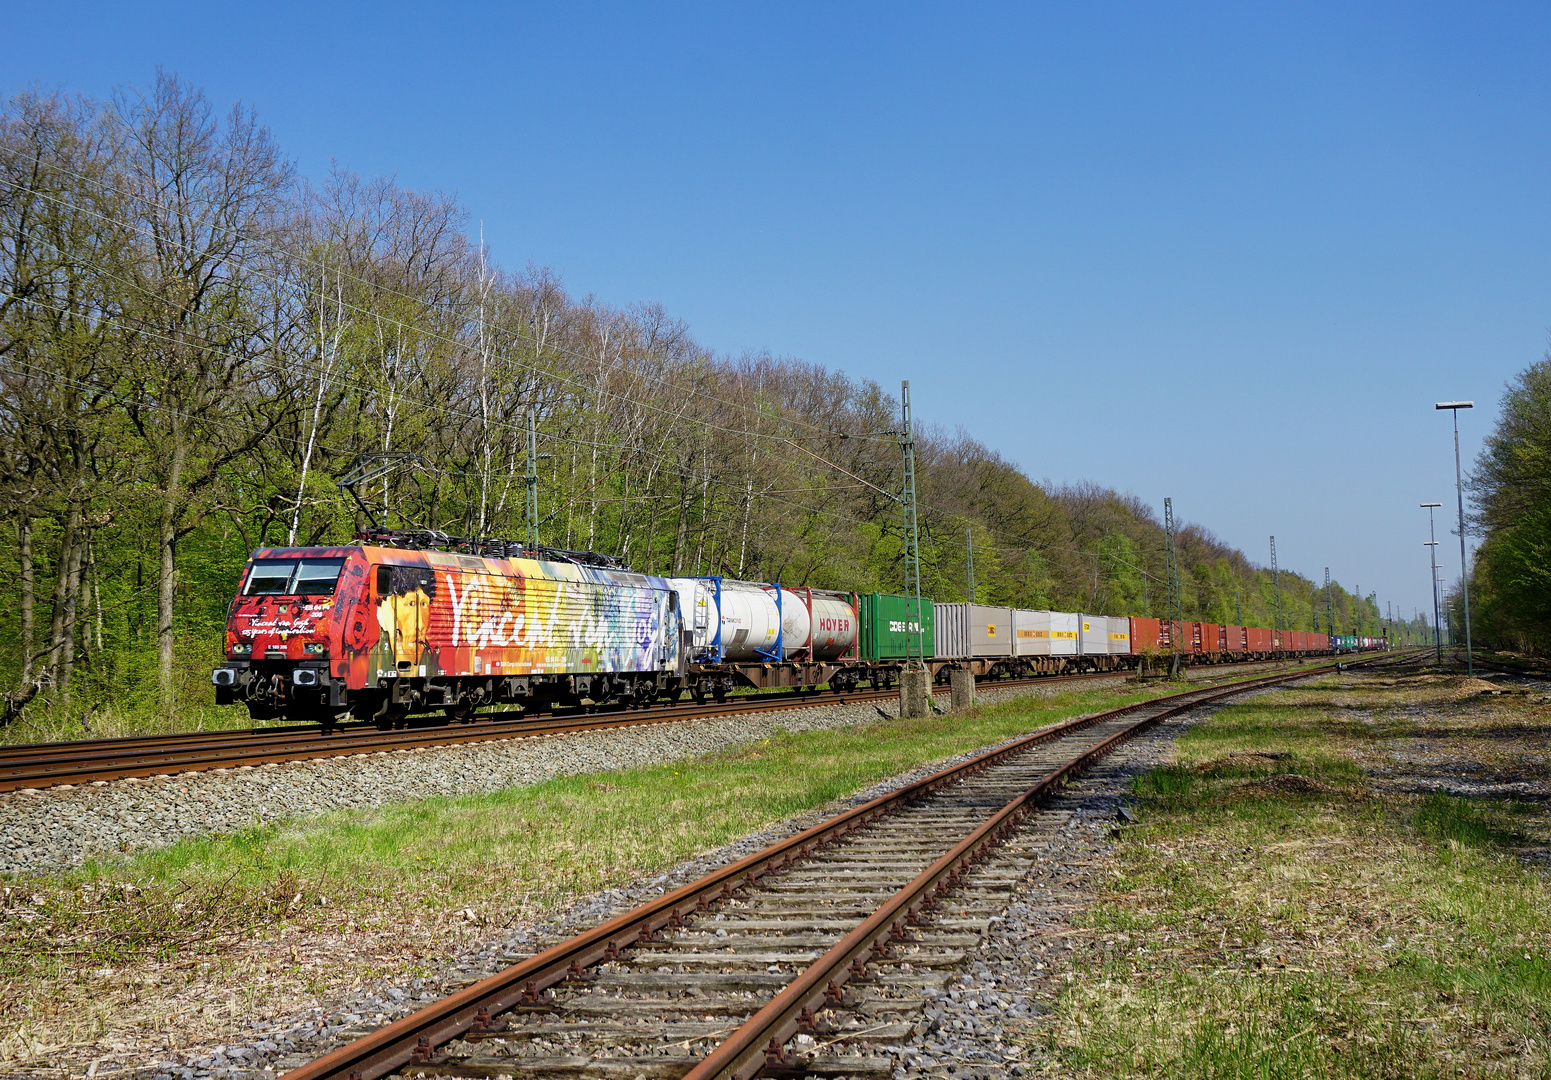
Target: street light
column 1459, row 489
column 1432, row 557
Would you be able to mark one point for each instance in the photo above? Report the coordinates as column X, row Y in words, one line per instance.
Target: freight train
column 390, row 627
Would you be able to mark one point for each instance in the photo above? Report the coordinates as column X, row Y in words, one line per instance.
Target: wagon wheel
column 393, row 718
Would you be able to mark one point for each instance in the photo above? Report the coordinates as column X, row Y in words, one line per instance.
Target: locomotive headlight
column 242, row 648
column 314, row 648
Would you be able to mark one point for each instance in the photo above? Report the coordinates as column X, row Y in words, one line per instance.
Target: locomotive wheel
column 461, row 713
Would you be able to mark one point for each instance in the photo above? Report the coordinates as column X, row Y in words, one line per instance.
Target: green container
column 888, row 627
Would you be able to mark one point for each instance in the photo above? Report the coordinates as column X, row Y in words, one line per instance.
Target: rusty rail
column 414, row 1038
column 41, row 765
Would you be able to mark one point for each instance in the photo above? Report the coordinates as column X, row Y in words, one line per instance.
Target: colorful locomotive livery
column 383, row 632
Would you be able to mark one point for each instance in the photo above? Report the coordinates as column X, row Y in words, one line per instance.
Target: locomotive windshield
column 293, row 577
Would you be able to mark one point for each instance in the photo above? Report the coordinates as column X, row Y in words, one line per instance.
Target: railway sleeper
column 971, row 896
column 628, row 1067
column 625, row 1034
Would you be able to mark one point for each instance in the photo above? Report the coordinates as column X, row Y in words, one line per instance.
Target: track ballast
column 798, row 960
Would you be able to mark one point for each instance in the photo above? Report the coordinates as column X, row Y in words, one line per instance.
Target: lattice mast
column 907, row 447
column 1330, row 604
column 1175, row 613
column 533, row 482
column 1276, row 597
column 969, row 560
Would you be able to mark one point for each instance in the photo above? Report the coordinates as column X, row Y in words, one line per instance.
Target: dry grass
column 1304, row 902
column 275, row 919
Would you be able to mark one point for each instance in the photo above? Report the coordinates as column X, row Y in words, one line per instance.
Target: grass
column 179, row 943
column 1278, row 917
column 504, row 855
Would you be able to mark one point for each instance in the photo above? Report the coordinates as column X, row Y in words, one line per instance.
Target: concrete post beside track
column 961, row 688
column 915, row 691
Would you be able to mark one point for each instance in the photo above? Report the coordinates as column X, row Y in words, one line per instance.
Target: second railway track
column 40, row 765
column 795, row 961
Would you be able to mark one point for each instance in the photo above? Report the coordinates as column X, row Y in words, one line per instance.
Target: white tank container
column 833, row 626
column 754, row 629
column 796, row 627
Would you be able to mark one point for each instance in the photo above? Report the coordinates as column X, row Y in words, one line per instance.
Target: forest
column 197, row 343
column 1510, row 581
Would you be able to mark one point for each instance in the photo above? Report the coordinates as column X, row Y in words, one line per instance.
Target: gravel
column 983, row 1026
column 265, row 1047
column 56, row 828
column 979, row 1028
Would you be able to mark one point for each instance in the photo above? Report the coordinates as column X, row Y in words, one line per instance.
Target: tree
column 1511, row 488
column 202, row 197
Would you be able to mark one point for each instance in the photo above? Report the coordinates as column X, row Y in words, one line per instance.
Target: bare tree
column 202, row 195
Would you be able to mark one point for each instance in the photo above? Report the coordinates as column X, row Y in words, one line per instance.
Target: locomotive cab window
column 293, row 577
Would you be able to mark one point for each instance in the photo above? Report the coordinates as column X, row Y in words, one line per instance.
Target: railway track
column 1521, row 670
column 40, row 765
column 796, row 961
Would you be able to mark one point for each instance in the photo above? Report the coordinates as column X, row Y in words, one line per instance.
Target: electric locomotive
column 380, row 632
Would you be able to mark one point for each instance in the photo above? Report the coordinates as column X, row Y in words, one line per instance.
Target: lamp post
column 1459, row 489
column 1432, row 558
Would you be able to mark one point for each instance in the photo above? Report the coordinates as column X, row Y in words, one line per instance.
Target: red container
column 1211, row 637
column 1233, row 639
column 1146, row 635
column 1257, row 639
column 1189, row 637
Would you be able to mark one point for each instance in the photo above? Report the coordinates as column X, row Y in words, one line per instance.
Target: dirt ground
column 1344, row 879
column 1276, row 894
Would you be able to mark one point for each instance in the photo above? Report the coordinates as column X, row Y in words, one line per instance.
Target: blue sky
column 1226, row 253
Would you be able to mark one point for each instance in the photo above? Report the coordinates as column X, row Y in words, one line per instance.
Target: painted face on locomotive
column 404, row 598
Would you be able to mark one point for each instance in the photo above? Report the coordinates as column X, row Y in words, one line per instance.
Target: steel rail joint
column 394, row 1045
